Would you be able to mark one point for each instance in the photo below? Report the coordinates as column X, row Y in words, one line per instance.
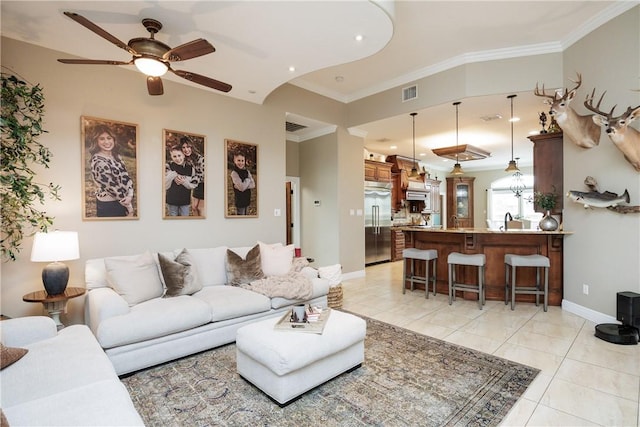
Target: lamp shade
column 55, row 246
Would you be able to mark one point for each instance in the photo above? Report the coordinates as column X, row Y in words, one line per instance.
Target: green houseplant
column 546, row 201
column 20, row 195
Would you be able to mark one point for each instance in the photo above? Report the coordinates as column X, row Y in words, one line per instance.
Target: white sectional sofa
column 138, row 326
column 64, row 378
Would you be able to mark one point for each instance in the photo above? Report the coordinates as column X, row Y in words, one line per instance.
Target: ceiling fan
column 151, row 56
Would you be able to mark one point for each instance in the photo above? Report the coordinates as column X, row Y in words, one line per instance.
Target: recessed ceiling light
column 515, row 119
column 393, row 147
column 422, row 154
column 359, row 37
column 292, row 68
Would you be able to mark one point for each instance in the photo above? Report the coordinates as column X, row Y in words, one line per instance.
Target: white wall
column 113, row 93
column 604, row 251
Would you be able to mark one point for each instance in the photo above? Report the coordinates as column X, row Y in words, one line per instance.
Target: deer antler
column 588, row 103
column 578, row 83
column 536, row 92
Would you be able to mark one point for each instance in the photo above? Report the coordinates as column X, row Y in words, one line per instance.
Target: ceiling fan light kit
column 151, row 56
column 150, row 66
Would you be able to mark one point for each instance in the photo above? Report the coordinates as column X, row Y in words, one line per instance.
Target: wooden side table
column 54, row 304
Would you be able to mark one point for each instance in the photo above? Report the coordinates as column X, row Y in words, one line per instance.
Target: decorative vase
column 548, row 223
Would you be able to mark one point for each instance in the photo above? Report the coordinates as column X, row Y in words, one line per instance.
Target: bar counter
column 494, row 244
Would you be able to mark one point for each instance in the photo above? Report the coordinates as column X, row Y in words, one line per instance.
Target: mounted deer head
column 626, row 138
column 581, row 130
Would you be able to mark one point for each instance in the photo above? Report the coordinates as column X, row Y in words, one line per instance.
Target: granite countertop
column 429, row 229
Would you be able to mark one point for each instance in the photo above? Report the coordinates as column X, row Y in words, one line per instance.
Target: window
column 500, row 200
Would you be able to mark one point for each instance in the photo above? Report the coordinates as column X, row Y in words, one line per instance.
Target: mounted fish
column 625, row 138
column 581, row 130
column 607, row 199
column 594, row 199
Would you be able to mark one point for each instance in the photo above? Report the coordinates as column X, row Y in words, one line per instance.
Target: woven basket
column 334, row 297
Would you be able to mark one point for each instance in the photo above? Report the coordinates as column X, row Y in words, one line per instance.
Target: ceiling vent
column 294, row 127
column 409, row 93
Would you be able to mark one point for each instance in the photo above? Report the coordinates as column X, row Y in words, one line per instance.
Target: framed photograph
column 241, row 179
column 183, row 175
column 110, row 167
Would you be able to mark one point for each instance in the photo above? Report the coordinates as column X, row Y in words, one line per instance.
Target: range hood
column 416, row 191
column 464, row 152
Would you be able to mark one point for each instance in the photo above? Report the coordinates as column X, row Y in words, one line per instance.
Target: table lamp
column 55, row 247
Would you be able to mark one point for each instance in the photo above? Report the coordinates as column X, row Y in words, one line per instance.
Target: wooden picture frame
column 183, row 175
column 110, row 168
column 241, row 179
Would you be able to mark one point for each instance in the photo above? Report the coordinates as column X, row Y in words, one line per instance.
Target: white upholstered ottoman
column 285, row 364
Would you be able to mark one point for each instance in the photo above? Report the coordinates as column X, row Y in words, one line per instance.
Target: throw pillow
column 277, row 260
column 10, row 355
column 180, row 275
column 246, row 270
column 333, row 273
column 135, row 279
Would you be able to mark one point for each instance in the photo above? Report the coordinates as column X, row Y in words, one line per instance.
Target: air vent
column 294, row 127
column 409, row 93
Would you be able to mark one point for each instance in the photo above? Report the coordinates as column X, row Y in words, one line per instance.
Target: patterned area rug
column 407, row 379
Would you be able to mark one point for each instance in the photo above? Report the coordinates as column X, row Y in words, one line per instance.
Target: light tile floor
column 584, row 381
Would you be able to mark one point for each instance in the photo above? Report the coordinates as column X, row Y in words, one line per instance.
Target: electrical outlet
column 585, row 289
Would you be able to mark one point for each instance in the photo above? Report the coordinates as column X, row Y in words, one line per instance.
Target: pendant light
column 517, row 185
column 414, row 169
column 457, row 169
column 512, row 163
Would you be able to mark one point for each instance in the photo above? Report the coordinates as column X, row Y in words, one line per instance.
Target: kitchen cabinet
column 377, row 171
column 432, row 204
column 397, row 244
column 402, row 182
column 547, row 167
column 460, row 202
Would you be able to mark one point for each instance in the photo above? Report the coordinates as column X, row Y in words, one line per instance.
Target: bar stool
column 536, row 261
column 477, row 260
column 411, row 255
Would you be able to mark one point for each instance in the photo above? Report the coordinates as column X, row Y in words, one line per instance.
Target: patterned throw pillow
column 246, row 270
column 10, row 355
column 180, row 275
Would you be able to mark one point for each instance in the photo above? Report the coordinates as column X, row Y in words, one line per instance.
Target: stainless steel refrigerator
column 377, row 222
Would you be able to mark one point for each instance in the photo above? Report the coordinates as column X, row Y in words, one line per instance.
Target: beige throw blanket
column 291, row 286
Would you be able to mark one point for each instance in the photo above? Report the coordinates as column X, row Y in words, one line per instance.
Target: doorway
column 292, row 210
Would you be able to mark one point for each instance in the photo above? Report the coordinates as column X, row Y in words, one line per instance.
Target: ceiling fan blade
column 205, row 81
column 94, row 61
column 193, row 49
column 99, row 31
column 154, row 85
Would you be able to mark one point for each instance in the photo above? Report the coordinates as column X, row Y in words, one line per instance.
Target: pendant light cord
column 511, row 98
column 456, row 104
column 413, row 116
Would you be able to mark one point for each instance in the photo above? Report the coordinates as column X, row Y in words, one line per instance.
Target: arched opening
column 501, row 199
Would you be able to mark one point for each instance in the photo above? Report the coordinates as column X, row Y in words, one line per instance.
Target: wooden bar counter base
column 494, row 244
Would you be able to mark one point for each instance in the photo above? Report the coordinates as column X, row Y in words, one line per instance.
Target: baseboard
column 353, row 275
column 586, row 313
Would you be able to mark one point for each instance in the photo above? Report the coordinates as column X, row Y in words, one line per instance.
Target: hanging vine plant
column 21, row 196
